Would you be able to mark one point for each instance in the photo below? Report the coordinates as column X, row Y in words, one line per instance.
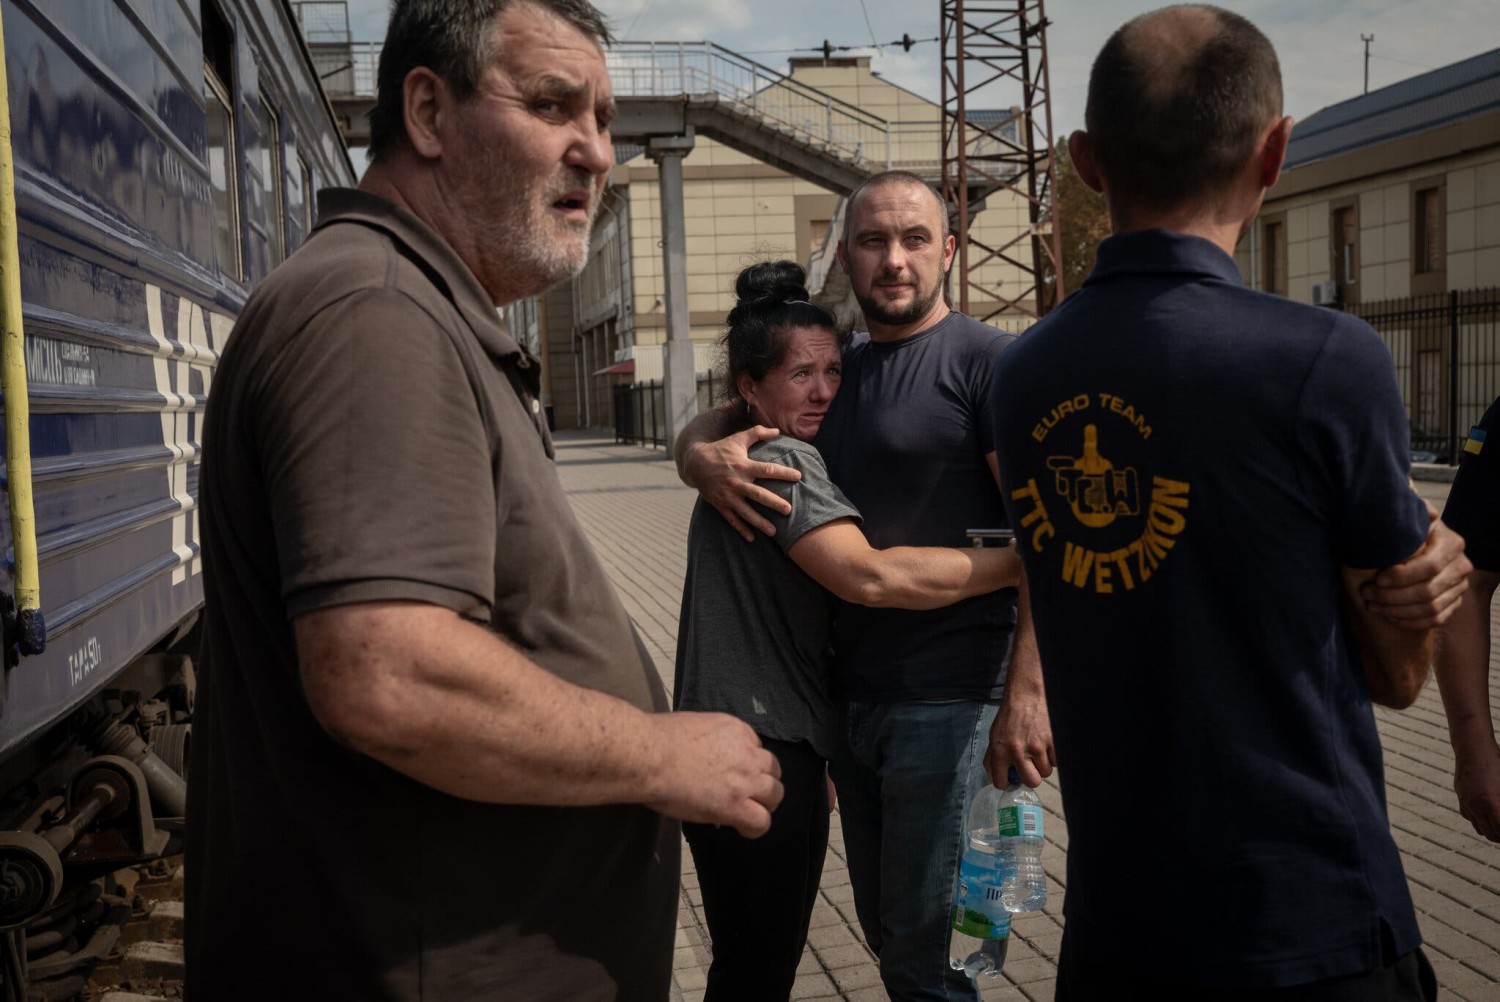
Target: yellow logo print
column 1097, row 492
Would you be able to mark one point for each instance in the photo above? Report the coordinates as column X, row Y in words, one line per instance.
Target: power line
column 1403, row 62
column 828, row 48
column 905, row 41
column 864, row 10
column 633, row 21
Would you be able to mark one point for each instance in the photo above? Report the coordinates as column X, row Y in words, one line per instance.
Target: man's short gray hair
column 456, row 39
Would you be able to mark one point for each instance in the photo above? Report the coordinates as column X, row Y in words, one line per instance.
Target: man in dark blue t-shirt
column 1205, row 481
column 1463, row 662
column 910, row 441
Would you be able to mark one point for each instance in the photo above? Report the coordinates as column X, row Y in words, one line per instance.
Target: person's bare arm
column 1021, row 734
column 1396, row 657
column 1424, row 589
column 451, row 705
column 713, row 457
column 838, row 556
column 1463, row 675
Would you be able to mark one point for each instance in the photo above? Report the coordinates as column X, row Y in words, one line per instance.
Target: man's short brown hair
column 897, row 177
column 1177, row 102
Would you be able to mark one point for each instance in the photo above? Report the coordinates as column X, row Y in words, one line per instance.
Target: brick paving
column 636, row 511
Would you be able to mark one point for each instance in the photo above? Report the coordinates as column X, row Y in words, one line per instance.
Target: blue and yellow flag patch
column 1475, row 441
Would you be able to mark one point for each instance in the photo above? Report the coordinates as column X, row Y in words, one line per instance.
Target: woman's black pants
column 758, row 893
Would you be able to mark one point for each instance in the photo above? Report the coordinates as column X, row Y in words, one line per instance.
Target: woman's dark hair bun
column 771, row 282
column 772, row 300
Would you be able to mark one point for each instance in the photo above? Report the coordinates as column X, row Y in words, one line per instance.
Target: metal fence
column 667, row 69
column 641, row 410
column 1446, row 347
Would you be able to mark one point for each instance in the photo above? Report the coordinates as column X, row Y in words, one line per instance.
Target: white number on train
column 84, row 660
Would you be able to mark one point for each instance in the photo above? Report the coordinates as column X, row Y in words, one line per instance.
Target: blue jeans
column 905, row 773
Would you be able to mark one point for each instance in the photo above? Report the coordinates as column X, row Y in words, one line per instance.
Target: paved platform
column 636, row 511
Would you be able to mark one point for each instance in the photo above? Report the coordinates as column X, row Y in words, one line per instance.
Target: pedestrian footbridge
column 682, row 89
column 699, row 88
column 669, row 94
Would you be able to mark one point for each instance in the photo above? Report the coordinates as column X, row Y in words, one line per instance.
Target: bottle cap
column 1012, row 777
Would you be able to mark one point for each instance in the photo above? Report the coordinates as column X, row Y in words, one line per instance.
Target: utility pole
column 1000, row 42
column 1367, row 39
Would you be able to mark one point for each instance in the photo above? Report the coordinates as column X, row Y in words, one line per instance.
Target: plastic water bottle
column 981, row 925
column 1019, row 820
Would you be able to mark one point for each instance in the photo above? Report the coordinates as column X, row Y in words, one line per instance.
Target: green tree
column 1083, row 220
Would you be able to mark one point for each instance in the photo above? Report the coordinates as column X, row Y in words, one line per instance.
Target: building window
column 270, row 179
column 1273, row 256
column 219, row 137
column 1429, row 237
column 1344, row 242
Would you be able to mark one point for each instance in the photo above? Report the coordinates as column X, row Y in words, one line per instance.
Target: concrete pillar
column 681, row 384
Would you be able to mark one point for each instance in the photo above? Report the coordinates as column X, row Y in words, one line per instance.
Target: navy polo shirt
column 1188, row 463
column 1473, row 509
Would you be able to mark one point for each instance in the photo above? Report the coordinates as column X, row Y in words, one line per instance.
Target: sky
column 1318, row 41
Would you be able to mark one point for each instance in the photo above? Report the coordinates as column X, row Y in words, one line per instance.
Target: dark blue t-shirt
column 906, row 440
column 1188, row 464
column 1473, row 509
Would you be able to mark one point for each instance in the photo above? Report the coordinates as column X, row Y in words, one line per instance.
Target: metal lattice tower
column 991, row 47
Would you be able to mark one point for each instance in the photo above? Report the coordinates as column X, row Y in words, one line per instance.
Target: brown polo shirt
column 373, row 432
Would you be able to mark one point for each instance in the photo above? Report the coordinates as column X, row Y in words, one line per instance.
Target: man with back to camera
column 1463, row 658
column 908, row 440
column 1206, row 481
column 428, row 763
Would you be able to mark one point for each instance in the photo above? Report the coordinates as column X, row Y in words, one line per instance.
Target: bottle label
column 977, row 910
column 1020, row 820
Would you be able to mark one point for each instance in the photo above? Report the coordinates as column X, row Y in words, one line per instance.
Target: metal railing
column 703, row 69
column 641, row 410
column 822, row 257
column 323, row 20
column 1446, row 347
column 667, row 69
column 347, row 69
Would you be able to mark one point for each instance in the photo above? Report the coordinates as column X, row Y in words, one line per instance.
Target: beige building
column 606, row 329
column 1389, row 207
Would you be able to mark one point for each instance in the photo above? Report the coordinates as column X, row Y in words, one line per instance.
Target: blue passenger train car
column 166, row 152
column 165, row 155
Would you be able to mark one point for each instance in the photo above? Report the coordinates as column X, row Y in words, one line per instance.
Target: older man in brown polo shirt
column 428, row 763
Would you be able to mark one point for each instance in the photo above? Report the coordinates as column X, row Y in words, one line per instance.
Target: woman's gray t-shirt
column 754, row 636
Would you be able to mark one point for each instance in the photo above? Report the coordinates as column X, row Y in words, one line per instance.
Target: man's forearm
column 451, row 705
column 1396, row 665
column 1025, row 671
column 709, row 426
column 1021, row 735
column 454, row 707
column 1462, row 666
column 463, row 712
column 1396, row 660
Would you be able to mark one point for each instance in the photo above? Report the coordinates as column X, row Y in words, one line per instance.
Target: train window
column 270, row 174
column 219, row 135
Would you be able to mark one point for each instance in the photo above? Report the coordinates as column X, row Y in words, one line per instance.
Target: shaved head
column 1178, row 99
column 889, row 178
